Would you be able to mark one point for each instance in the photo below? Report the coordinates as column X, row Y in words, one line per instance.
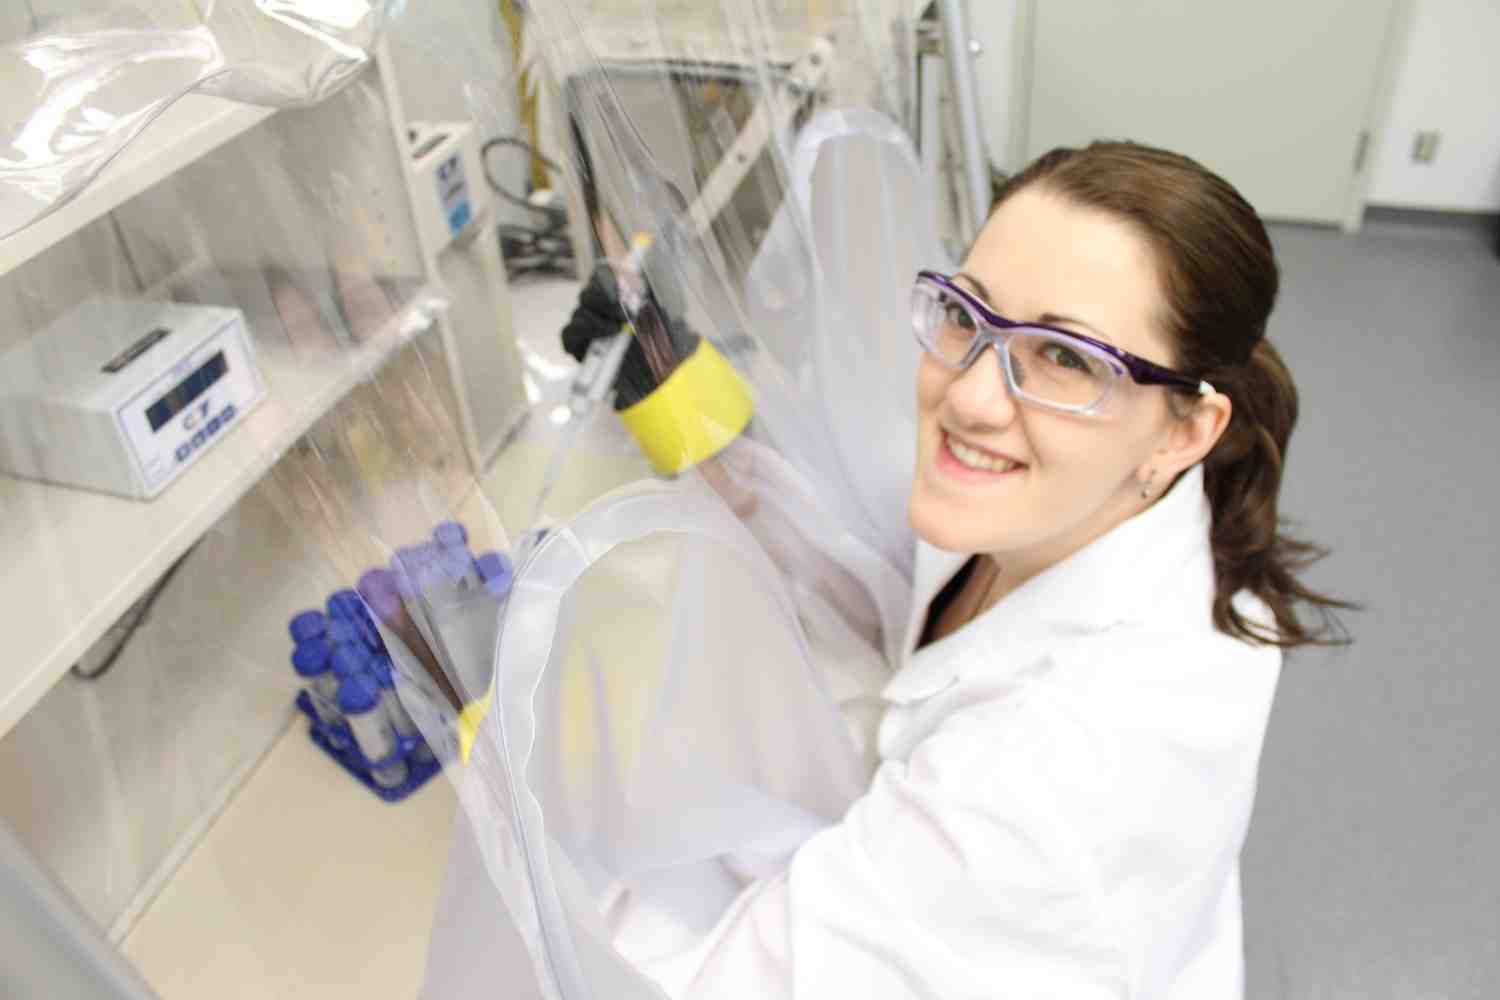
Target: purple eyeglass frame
column 1142, row 372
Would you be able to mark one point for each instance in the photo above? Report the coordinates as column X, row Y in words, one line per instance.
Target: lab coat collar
column 1113, row 579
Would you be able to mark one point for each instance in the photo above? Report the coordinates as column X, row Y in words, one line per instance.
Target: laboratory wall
column 993, row 25
column 1447, row 80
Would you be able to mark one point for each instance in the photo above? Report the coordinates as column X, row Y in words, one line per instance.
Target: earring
column 1146, row 487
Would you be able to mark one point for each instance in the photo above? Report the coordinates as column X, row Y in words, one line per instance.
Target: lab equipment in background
column 451, row 201
column 123, row 396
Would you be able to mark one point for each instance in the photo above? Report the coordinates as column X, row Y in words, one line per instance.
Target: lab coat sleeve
column 962, row 872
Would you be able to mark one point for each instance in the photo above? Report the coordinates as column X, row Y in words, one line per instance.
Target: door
column 1273, row 95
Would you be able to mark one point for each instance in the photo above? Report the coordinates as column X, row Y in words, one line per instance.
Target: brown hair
column 1219, row 279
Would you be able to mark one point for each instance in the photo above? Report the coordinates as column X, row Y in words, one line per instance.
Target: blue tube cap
column 342, row 633
column 450, row 535
column 358, row 693
column 350, row 661
column 311, row 657
column 496, row 572
column 345, row 604
column 307, row 625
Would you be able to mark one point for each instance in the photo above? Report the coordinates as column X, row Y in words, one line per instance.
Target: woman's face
column 1045, row 483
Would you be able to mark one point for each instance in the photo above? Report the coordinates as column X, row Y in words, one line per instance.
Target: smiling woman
column 1119, row 261
column 1069, row 741
column 1014, row 755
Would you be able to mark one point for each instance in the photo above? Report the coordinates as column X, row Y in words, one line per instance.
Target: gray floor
column 1373, row 865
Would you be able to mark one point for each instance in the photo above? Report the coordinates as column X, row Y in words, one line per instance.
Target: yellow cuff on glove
column 693, row 415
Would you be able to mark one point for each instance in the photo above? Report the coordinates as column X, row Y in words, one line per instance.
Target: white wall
column 992, row 24
column 1448, row 79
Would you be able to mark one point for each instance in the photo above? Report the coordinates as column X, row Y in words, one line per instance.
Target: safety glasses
column 1045, row 365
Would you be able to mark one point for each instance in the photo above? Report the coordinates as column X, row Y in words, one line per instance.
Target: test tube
column 360, row 701
column 380, row 589
column 347, row 605
column 454, row 558
column 312, row 660
column 395, row 712
column 419, row 577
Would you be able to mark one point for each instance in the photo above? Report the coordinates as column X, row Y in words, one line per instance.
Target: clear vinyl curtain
column 687, row 674
column 644, row 707
column 208, row 233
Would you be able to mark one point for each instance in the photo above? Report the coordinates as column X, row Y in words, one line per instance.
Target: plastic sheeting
column 686, row 678
column 233, row 372
column 81, row 87
column 677, row 686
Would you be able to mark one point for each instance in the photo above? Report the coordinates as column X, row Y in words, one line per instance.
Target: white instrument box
column 451, row 191
column 123, row 396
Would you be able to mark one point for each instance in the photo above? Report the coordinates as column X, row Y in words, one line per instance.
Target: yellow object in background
column 468, row 723
column 701, row 407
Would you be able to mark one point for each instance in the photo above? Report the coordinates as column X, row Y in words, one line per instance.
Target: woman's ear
column 1193, row 435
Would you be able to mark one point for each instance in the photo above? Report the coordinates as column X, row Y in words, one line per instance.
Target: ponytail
column 1242, row 477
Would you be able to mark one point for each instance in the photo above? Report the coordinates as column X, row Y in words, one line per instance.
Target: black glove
column 600, row 315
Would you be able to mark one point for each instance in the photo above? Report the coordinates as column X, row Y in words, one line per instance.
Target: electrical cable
column 542, row 249
column 129, row 623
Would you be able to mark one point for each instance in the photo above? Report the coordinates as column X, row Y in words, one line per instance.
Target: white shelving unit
column 94, row 554
column 186, row 130
column 76, row 560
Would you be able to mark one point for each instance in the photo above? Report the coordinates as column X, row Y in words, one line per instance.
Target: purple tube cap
column 451, row 535
column 496, row 572
column 380, row 589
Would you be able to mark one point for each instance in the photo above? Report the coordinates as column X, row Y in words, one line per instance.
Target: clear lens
column 1048, row 368
column 1055, row 369
column 942, row 322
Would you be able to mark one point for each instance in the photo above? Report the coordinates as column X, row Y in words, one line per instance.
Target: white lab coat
column 1063, row 790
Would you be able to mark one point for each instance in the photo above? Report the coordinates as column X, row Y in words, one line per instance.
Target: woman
column 1068, row 751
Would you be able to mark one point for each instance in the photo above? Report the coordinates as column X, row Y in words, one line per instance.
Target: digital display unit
column 184, row 392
